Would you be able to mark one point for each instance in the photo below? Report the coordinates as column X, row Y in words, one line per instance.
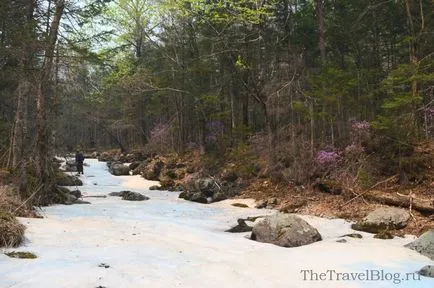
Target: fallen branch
column 401, row 201
column 367, row 191
column 383, row 181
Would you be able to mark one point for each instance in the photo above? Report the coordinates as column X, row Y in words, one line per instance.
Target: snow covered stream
column 170, row 242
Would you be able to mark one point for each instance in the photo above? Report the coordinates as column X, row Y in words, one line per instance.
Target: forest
column 295, row 91
column 241, row 129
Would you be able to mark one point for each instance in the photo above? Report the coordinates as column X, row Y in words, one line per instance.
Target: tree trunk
column 43, row 157
column 319, row 7
column 272, row 135
column 20, row 126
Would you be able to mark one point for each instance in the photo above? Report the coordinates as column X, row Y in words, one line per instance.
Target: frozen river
column 169, row 242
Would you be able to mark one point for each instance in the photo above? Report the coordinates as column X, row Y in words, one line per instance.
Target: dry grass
column 11, row 230
column 11, row 203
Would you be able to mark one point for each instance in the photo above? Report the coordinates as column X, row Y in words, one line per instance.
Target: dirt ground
column 306, row 200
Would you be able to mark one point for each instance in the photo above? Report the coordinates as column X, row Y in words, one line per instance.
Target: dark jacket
column 79, row 158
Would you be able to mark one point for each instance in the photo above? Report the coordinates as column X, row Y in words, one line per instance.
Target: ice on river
column 169, row 242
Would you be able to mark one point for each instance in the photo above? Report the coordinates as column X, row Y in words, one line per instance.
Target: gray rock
column 116, row 194
column 63, row 179
column 427, row 271
column 384, row 218
column 241, row 227
column 424, row 245
column 154, row 187
column 184, row 195
column 119, row 169
column 70, row 199
column 341, row 241
column 198, row 197
column 76, row 193
column 261, row 204
column 285, row 230
column 219, row 196
column 133, row 196
column 134, row 165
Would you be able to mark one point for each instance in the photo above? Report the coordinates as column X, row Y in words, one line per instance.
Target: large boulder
column 427, row 271
column 63, row 179
column 285, row 230
column 200, row 189
column 384, row 218
column 424, row 244
column 119, row 169
column 153, row 169
column 198, row 197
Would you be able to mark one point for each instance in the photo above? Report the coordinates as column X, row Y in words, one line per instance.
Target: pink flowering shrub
column 328, row 159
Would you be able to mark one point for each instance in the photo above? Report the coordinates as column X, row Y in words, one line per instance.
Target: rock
column 427, row 271
column 285, row 230
column 198, row 197
column 341, row 241
column 76, row 193
column 119, row 169
column 179, row 173
column 271, row 203
column 219, row 196
column 133, row 196
column 70, row 199
column 261, row 204
column 353, row 235
column 94, row 155
column 103, row 265
column 293, row 206
column 424, row 245
column 241, row 227
column 166, row 183
column 152, row 170
column 384, row 218
column 184, row 195
column 383, row 235
column 240, row 205
column 178, row 188
column 200, row 189
column 134, row 165
column 104, row 157
column 154, row 187
column 63, row 179
column 255, row 218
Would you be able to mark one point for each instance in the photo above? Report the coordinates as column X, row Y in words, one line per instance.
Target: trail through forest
column 169, row 242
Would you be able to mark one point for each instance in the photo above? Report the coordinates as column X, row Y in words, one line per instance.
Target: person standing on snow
column 79, row 158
